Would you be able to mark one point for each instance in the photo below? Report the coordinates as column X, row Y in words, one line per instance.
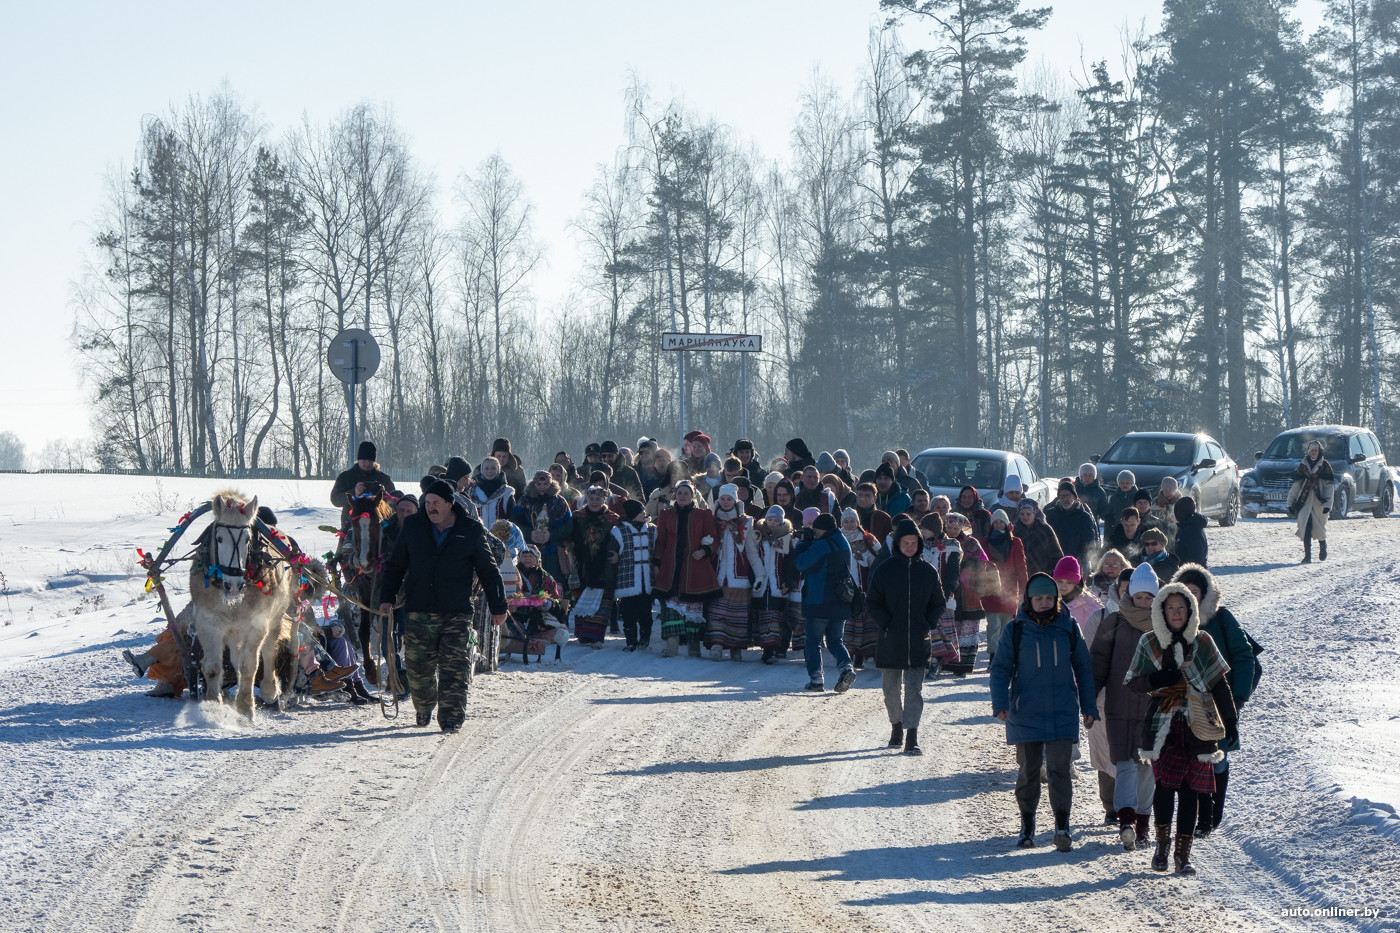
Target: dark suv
column 1364, row 481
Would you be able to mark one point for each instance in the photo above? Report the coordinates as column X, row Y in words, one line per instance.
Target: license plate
column 1277, row 496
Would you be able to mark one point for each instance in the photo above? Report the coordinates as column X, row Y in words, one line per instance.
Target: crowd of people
column 1097, row 609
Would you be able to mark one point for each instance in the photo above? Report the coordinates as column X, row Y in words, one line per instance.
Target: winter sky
column 542, row 83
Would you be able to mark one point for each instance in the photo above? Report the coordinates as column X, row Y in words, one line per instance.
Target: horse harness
column 235, row 551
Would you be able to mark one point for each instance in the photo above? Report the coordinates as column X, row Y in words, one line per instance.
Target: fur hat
column 742, row 443
column 366, row 451
column 1143, row 580
column 501, row 443
column 1198, row 576
column 1068, row 569
column 825, row 522
column 1000, row 516
column 1159, row 619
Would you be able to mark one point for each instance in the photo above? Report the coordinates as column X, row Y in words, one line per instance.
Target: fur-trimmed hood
column 1159, row 620
column 1210, row 602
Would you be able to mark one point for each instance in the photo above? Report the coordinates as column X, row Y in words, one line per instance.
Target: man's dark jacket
column 439, row 579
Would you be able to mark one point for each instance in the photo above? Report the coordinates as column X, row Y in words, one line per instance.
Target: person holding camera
column 823, row 558
column 356, row 480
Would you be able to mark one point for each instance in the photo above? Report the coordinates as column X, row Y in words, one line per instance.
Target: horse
column 361, row 561
column 239, row 592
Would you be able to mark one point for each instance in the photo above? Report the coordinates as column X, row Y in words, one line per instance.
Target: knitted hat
column 457, row 468
column 408, row 497
column 1012, row 484
column 825, row 463
column 825, row 522
column 437, row 469
column 956, row 518
column 1153, row 534
column 1142, row 496
column 644, row 442
column 1041, row 585
column 426, row 482
column 694, row 434
column 1027, row 505
column 840, row 453
column 1068, row 570
column 702, row 438
column 1000, row 516
column 366, row 451
column 729, row 489
column 1090, row 468
column 852, row 513
column 885, row 470
column 1184, row 508
column 442, row 489
column 1065, row 484
column 774, row 477
column 1126, row 475
column 1143, row 580
column 798, row 446
column 631, row 509
column 608, row 447
column 775, row 511
column 809, row 515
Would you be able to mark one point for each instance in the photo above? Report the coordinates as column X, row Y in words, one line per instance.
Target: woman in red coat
column 1008, row 555
column 684, row 569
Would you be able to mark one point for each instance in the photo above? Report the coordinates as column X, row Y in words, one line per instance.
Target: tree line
column 1199, row 233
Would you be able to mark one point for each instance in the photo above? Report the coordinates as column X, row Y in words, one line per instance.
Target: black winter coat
column 345, row 483
column 1094, row 496
column 905, row 599
column 1191, row 544
column 439, row 579
column 1075, row 528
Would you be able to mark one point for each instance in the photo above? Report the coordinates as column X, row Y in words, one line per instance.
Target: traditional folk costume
column 946, row 558
column 862, row 633
column 771, row 587
column 728, row 614
column 684, row 583
column 593, row 606
column 634, row 543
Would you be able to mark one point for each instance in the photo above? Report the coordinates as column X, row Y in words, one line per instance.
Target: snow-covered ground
column 628, row 792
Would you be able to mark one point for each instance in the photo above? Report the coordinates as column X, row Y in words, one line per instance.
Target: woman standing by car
column 1310, row 500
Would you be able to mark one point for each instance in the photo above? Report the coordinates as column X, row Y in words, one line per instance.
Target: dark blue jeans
column 830, row 623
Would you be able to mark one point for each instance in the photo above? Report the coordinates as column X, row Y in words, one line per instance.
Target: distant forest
column 1200, row 231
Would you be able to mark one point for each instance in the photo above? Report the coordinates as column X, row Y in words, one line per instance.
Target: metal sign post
column 353, row 357
column 724, row 343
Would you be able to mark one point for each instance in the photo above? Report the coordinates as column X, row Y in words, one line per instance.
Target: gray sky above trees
column 544, row 88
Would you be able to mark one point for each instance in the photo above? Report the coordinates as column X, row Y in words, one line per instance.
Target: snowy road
column 623, row 792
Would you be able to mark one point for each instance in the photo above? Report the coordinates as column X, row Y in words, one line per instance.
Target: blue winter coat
column 812, row 559
column 1051, row 690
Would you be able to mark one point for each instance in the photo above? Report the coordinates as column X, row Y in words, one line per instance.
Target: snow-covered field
column 627, row 792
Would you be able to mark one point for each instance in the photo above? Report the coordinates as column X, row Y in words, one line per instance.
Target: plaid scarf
column 1203, row 667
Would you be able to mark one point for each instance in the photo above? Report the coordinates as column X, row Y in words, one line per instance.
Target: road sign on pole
column 733, row 343
column 353, row 356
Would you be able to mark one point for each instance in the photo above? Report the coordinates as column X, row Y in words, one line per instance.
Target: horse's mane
column 239, row 499
column 380, row 509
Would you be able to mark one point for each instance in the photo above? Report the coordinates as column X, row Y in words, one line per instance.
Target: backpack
column 1016, row 644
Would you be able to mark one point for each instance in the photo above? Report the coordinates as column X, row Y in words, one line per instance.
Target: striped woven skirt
column 728, row 620
column 768, row 621
column 591, row 615
column 861, row 635
column 682, row 618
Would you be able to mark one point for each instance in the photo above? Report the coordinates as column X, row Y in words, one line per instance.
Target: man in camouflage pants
column 438, row 555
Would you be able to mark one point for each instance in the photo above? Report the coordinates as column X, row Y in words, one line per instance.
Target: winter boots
column 671, row 646
column 1307, row 550
column 1164, row 840
column 911, row 742
column 1212, row 806
column 1062, row 840
column 1322, row 550
column 1142, row 823
column 1027, row 839
column 896, row 736
column 139, row 662
column 1181, row 856
column 423, row 717
column 843, row 683
column 1127, row 828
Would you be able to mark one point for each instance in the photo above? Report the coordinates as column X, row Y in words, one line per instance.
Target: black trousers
column 1162, row 802
column 635, row 612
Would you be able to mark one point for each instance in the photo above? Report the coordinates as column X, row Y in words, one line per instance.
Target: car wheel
column 1341, row 502
column 1232, row 510
column 1385, row 504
